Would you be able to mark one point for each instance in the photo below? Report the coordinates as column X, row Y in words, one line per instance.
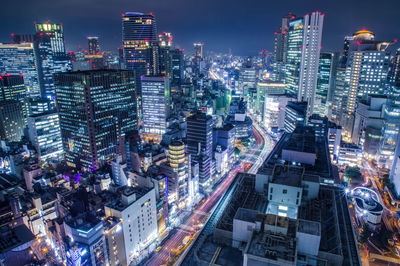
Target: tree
column 366, row 232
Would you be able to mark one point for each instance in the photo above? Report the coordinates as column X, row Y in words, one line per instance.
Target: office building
column 88, row 240
column 51, row 57
column 177, row 66
column 199, row 138
column 293, row 56
column 95, row 108
column 337, row 109
column 349, row 154
column 325, row 83
column 155, row 105
column 11, row 120
column 295, row 115
column 164, row 46
column 225, row 137
column 198, row 49
column 275, row 110
column 12, row 87
column 281, row 48
column 35, row 106
column 55, row 34
column 45, row 135
column 179, row 177
column 93, row 45
column 137, row 209
column 139, row 35
column 389, row 132
column 368, row 122
column 17, row 59
column 366, row 72
column 247, row 80
column 265, row 88
column 310, row 55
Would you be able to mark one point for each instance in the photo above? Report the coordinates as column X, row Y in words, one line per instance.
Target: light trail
column 168, row 250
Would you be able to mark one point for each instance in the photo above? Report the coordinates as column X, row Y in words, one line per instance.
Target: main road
column 172, row 248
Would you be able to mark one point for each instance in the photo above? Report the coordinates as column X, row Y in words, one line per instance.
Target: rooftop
column 274, row 247
column 309, row 227
column 287, row 175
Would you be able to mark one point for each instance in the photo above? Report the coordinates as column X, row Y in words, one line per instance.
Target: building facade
column 95, row 108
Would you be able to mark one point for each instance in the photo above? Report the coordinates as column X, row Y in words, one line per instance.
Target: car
column 158, row 249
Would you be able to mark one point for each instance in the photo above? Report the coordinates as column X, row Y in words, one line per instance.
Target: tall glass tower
column 96, row 107
column 139, row 35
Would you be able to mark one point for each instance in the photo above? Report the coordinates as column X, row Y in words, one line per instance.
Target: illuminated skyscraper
column 139, row 35
column 12, row 87
column 95, row 108
column 200, row 145
column 177, row 65
column 93, row 43
column 366, row 73
column 51, row 56
column 312, row 35
column 280, row 48
column 303, row 49
column 389, row 132
column 45, row 135
column 326, row 83
column 178, row 181
column 198, row 49
column 11, row 120
column 155, row 104
column 17, row 59
column 54, row 34
column 164, row 46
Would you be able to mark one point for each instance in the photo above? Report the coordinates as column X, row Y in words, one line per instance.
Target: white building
column 221, row 160
column 137, row 209
column 312, row 35
column 45, row 135
column 155, row 104
column 274, row 110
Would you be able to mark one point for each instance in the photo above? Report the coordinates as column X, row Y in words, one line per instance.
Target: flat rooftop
column 302, row 140
column 247, row 215
column 309, row 227
column 321, row 168
column 287, row 175
column 273, row 247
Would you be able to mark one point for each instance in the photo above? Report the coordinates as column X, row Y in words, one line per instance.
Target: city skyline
column 204, row 24
column 183, row 133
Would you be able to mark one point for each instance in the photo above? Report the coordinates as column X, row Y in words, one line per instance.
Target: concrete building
column 295, row 115
column 369, row 119
column 155, row 105
column 274, row 110
column 45, row 135
column 88, row 242
column 11, row 120
column 137, row 208
column 310, row 55
column 90, row 125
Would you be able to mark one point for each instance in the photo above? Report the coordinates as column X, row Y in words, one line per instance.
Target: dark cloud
column 246, row 26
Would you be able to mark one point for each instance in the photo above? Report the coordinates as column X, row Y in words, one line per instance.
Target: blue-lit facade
column 45, row 135
column 12, row 87
column 293, row 57
column 155, row 104
column 95, row 108
column 17, row 59
column 51, row 56
column 200, row 145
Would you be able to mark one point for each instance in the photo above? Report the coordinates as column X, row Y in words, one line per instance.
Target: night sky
column 246, row 26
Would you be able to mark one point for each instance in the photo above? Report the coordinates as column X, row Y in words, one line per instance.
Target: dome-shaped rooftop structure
column 364, row 35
